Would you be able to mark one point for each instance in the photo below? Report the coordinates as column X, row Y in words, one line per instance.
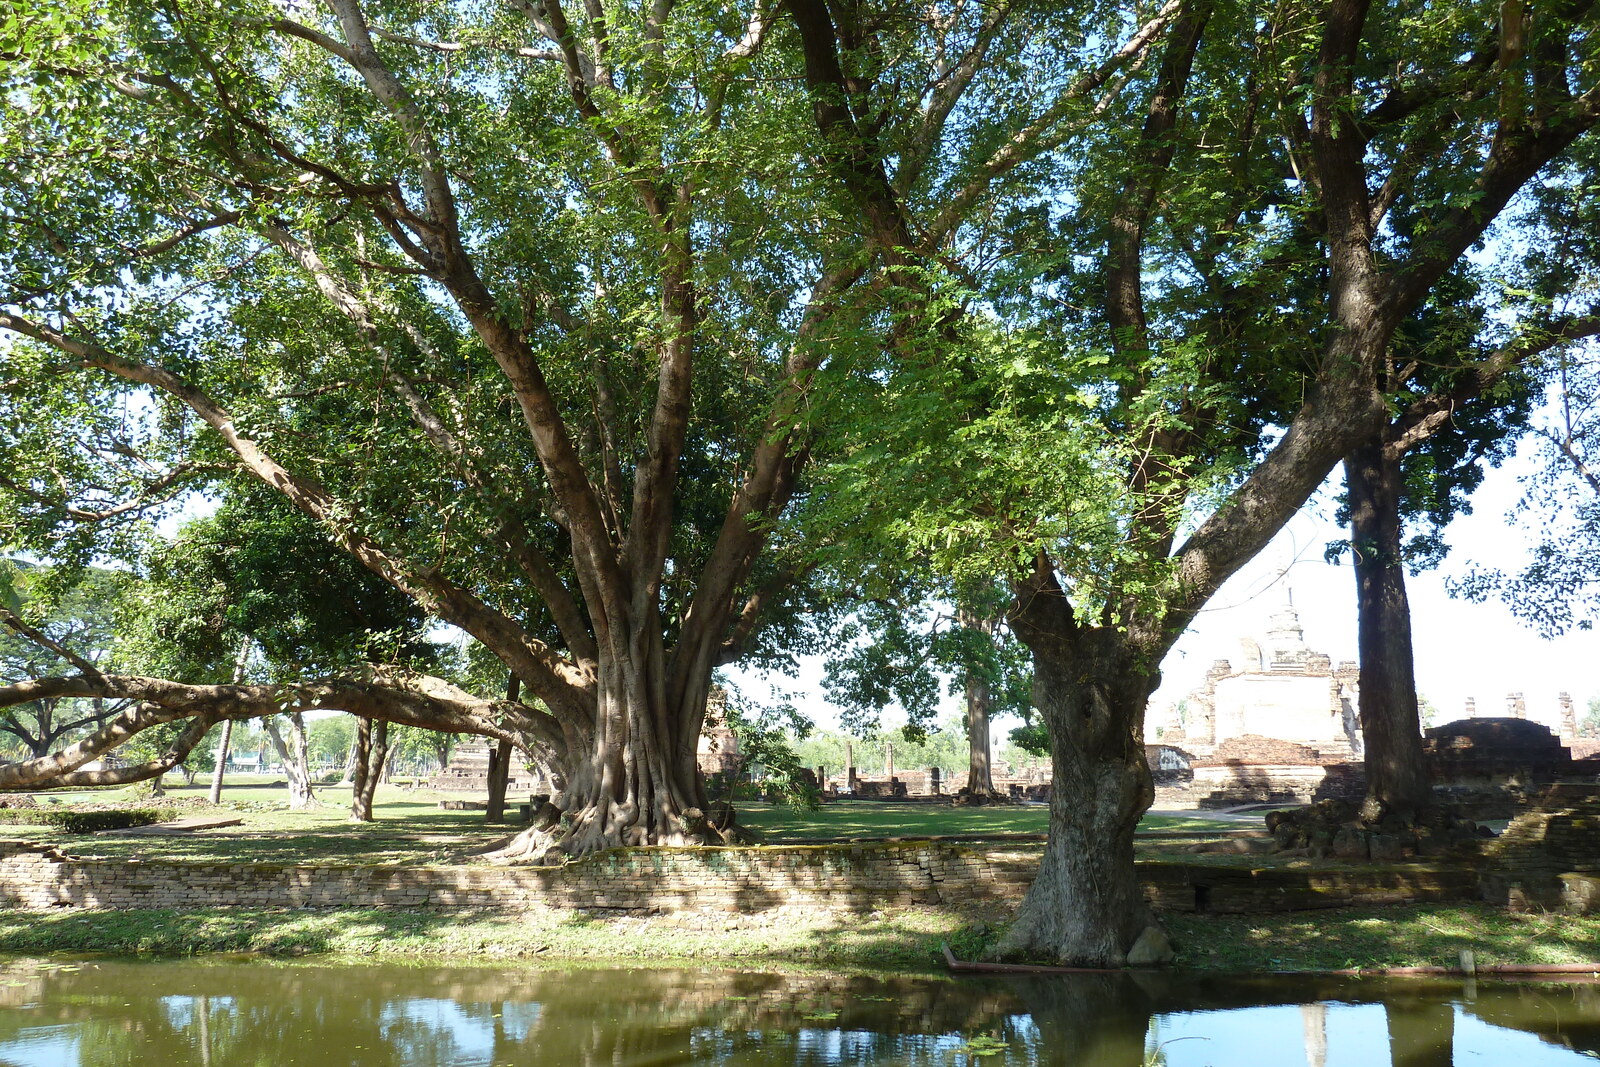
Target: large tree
column 1460, row 404
column 1460, row 378
column 520, row 303
column 1193, row 337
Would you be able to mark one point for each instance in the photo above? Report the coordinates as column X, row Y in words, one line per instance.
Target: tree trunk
column 375, row 750
column 499, row 778
column 500, row 765
column 293, row 756
column 1086, row 907
column 360, row 750
column 354, row 756
column 980, row 777
column 222, row 762
column 640, row 782
column 1397, row 778
column 239, row 663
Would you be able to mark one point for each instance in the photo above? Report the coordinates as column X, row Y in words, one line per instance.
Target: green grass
column 903, row 939
column 409, row 828
column 1409, row 936
column 873, row 819
column 412, row 829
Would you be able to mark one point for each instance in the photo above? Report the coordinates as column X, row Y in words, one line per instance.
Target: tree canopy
column 574, row 326
column 521, row 305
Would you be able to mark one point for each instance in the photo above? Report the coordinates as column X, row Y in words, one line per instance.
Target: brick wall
column 848, row 877
column 650, row 879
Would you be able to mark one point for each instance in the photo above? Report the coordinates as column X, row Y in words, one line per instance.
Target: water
column 100, row 1013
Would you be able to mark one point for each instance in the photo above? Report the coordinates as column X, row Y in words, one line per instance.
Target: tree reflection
column 270, row 1014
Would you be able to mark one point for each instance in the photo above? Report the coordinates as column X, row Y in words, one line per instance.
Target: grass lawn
column 410, row 828
column 1406, row 936
column 899, row 939
column 866, row 819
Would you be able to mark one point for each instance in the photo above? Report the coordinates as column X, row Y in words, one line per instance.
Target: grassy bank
column 902, row 939
column 411, row 829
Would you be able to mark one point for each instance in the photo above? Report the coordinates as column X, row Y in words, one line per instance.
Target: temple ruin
column 1282, row 691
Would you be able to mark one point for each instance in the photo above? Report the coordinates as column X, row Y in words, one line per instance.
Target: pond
column 176, row 1014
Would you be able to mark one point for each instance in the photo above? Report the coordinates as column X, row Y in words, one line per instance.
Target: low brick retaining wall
column 1243, row 890
column 645, row 879
column 848, row 877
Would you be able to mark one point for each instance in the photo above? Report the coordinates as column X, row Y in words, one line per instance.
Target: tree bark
column 294, row 756
column 1086, row 907
column 377, row 756
column 499, row 779
column 360, row 751
column 215, row 795
column 353, row 757
column 1397, row 778
column 980, row 775
column 640, row 782
column 239, row 663
column 500, row 765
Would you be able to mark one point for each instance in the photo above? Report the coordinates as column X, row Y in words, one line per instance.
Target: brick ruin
column 468, row 771
column 1282, row 690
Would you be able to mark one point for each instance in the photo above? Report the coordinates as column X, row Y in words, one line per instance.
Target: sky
column 1462, row 649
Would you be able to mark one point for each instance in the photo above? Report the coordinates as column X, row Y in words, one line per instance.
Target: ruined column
column 1472, row 708
column 888, row 759
column 933, row 780
column 1516, row 707
column 1569, row 718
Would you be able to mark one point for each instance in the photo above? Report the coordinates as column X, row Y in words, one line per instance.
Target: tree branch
column 389, row 694
column 1427, row 416
column 559, row 681
column 1046, row 132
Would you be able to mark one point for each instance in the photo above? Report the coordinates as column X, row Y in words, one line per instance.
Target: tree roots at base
column 554, row 837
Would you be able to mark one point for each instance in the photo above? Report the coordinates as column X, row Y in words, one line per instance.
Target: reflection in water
column 1314, row 1017
column 218, row 1014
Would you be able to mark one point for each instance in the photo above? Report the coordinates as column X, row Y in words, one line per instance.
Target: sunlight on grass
column 409, row 828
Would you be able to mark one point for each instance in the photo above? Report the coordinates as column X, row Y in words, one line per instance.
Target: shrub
column 84, row 821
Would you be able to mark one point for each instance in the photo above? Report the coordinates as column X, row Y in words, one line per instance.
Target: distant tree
column 1589, row 726
column 329, row 738
column 1557, row 588
column 1428, row 711
column 418, row 748
column 54, row 622
column 906, row 649
column 257, row 572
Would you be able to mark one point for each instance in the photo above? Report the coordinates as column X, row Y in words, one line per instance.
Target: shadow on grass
column 848, row 820
column 283, row 932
